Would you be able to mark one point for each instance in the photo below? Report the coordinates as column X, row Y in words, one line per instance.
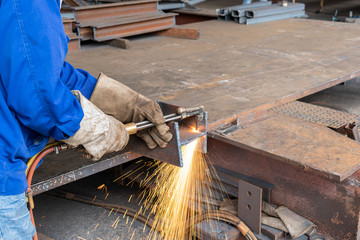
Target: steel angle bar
column 183, row 133
column 95, row 13
column 113, row 30
column 275, row 17
column 274, row 10
column 227, row 13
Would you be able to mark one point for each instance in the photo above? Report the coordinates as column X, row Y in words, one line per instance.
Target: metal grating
column 317, row 114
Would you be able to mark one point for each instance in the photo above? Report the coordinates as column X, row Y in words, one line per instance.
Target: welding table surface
column 310, row 146
column 233, row 70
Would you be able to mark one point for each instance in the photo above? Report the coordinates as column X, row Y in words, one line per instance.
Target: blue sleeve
column 78, row 79
column 36, row 78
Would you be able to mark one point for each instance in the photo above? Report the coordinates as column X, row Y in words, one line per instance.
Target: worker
column 43, row 96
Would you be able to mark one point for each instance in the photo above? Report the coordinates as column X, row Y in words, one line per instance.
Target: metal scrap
column 115, row 20
column 260, row 12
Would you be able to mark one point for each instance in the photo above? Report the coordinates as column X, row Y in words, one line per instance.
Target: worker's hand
column 98, row 133
column 126, row 105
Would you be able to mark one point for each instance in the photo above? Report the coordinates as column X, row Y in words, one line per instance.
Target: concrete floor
column 65, row 219
column 60, row 218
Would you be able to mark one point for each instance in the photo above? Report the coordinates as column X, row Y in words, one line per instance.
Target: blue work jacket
column 35, row 86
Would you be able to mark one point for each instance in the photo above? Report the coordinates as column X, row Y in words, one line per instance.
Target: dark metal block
column 250, row 205
column 272, row 233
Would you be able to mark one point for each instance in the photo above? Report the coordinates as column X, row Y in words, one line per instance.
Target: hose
column 32, row 159
column 31, row 166
column 229, row 218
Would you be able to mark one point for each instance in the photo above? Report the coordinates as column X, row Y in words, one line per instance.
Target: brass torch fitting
column 131, row 128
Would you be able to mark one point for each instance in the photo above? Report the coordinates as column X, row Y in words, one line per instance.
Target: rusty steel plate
column 322, row 115
column 306, row 145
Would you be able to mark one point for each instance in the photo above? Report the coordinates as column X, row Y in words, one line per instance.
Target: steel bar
column 275, row 17
column 229, row 13
column 129, row 27
column 274, row 9
column 239, row 11
column 82, row 172
column 95, row 13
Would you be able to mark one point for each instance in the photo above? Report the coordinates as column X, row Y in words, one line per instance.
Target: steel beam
column 333, row 206
column 96, row 13
column 134, row 26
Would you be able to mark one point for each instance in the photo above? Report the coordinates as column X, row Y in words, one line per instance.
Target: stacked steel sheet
column 74, row 43
column 115, row 20
column 261, row 12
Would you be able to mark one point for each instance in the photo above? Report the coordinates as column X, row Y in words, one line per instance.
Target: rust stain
column 336, row 220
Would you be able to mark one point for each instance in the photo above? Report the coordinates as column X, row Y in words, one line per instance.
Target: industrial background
column 278, row 82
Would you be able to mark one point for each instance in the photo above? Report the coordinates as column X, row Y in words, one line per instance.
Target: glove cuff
column 114, row 98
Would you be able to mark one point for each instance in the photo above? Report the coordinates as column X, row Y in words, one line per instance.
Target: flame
column 179, row 195
column 194, row 130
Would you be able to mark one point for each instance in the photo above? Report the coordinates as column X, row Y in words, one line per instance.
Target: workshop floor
column 59, row 218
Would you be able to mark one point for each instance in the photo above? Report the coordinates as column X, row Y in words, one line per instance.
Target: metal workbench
column 239, row 71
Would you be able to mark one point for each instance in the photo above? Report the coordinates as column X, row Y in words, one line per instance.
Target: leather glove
column 126, row 105
column 98, row 133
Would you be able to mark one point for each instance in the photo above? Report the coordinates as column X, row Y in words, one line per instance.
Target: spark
column 110, row 212
column 96, row 226
column 115, row 222
column 125, row 213
column 132, row 235
column 178, row 195
column 103, row 187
